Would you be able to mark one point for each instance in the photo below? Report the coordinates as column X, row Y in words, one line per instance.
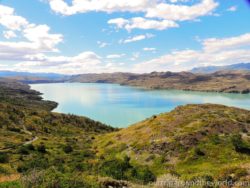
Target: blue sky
column 83, row 36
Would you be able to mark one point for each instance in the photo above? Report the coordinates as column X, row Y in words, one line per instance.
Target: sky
column 141, row 36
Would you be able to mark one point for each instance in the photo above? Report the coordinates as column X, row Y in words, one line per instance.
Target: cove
column 121, row 106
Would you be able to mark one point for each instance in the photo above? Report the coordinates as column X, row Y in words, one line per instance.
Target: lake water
column 121, row 106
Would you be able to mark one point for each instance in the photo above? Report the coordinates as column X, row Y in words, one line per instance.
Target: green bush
column 240, row 145
column 23, row 150
column 38, row 162
column 67, row 149
column 4, row 158
column 145, row 175
column 41, row 148
column 123, row 170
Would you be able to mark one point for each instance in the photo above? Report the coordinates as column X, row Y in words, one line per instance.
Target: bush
column 123, row 170
column 240, row 145
column 23, row 150
column 41, row 148
column 4, row 158
column 67, row 149
column 37, row 163
column 145, row 175
column 30, row 147
column 198, row 152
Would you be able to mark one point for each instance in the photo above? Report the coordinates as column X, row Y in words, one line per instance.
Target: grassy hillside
column 193, row 141
column 39, row 148
column 43, row 149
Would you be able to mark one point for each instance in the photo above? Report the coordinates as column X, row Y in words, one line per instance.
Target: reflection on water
column 121, row 106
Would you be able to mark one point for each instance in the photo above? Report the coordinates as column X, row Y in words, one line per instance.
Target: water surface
column 121, row 106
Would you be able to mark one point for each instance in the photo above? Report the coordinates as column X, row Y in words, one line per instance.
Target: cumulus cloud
column 215, row 51
column 9, row 34
column 182, row 12
column 137, row 38
column 9, row 20
column 31, row 52
column 163, row 14
column 38, row 38
column 142, row 23
column 83, row 6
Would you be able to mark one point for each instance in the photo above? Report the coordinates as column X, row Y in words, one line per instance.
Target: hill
column 224, row 81
column 237, row 81
column 39, row 148
column 210, row 142
column 212, row 69
column 41, row 75
column 27, row 77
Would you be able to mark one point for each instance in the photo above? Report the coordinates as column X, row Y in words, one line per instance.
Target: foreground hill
column 211, row 142
column 212, row 69
column 229, row 82
column 39, row 148
column 43, row 149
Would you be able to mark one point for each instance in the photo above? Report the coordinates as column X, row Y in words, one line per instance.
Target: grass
column 70, row 151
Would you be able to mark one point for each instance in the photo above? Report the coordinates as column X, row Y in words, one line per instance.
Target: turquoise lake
column 121, row 106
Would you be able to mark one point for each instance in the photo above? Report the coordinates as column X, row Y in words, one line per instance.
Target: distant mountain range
column 28, row 74
column 228, row 81
column 212, row 69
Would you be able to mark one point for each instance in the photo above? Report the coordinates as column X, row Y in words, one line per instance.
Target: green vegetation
column 191, row 142
column 41, row 149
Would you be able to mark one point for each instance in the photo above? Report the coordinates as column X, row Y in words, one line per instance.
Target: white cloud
column 40, row 35
column 214, row 44
column 162, row 14
column 151, row 8
column 9, row 34
column 102, row 44
column 115, row 56
column 35, row 52
column 10, row 20
column 182, row 12
column 83, row 6
column 137, row 38
column 142, row 23
column 149, row 49
column 37, row 39
column 214, row 52
column 119, row 22
column 232, row 9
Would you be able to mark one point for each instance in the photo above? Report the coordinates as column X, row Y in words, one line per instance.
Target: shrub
column 240, row 145
column 123, row 170
column 67, row 149
column 30, row 147
column 23, row 150
column 4, row 158
column 145, row 175
column 37, row 163
column 41, row 148
column 198, row 152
